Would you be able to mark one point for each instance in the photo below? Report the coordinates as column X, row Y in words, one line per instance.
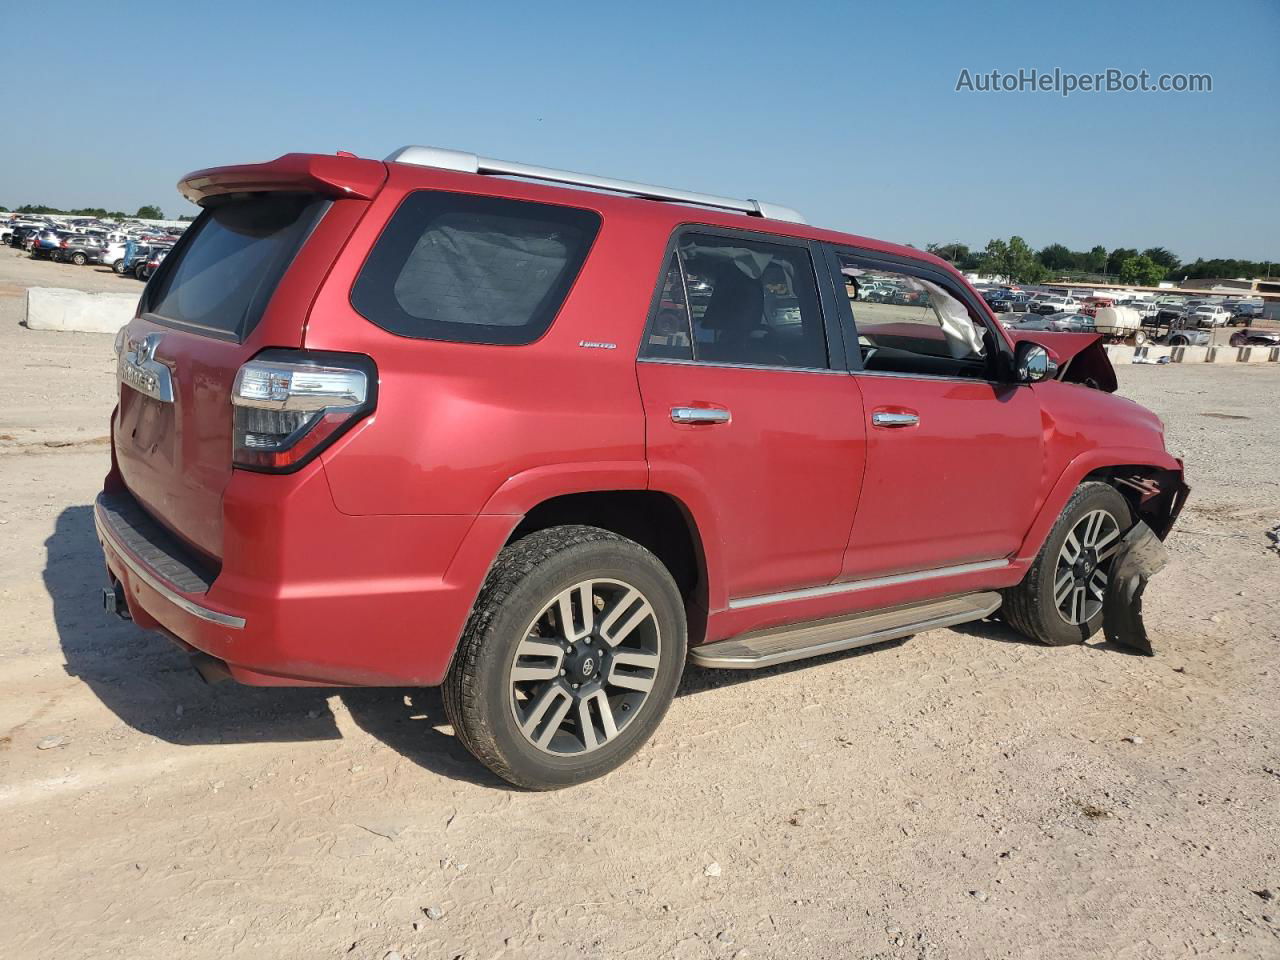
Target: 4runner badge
column 138, row 368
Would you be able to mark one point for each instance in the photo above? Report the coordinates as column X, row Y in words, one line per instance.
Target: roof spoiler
column 314, row 173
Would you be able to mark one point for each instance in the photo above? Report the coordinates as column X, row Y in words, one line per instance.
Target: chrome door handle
column 885, row 419
column 699, row 415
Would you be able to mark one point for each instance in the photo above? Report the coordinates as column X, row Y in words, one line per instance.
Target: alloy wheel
column 1084, row 567
column 585, row 667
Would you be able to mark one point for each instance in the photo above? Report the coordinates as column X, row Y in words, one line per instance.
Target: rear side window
column 473, row 269
column 739, row 301
column 230, row 263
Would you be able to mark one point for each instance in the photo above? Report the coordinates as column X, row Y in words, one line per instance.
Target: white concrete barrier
column 1118, row 353
column 1188, row 354
column 56, row 308
column 1223, row 355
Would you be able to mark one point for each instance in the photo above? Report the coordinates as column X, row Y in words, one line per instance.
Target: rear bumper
column 306, row 594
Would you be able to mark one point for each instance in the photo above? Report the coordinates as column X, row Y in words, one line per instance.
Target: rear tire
column 118, row 267
column 1038, row 607
column 510, row 692
column 78, row 259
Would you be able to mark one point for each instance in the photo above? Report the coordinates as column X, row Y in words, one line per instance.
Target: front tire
column 78, row 259
column 1059, row 601
column 570, row 658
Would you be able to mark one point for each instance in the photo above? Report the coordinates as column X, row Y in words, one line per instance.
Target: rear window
column 230, row 262
column 473, row 269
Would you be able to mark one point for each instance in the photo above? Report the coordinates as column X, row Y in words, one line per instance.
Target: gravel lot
column 959, row 794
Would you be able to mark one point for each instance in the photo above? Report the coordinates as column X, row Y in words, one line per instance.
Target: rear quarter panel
column 458, row 422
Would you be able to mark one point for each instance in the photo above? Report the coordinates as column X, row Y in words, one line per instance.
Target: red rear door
column 748, row 421
column 240, row 280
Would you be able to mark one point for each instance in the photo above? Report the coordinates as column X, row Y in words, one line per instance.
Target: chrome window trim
column 143, row 573
column 853, row 586
column 935, row 376
column 739, row 366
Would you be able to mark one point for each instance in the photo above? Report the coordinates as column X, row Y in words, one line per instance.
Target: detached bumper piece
column 1140, row 557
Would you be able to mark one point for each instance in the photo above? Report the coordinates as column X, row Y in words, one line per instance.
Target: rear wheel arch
column 657, row 521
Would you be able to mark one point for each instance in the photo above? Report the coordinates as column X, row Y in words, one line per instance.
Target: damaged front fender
column 1140, row 557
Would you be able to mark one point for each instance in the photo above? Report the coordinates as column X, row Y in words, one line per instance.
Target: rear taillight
column 289, row 405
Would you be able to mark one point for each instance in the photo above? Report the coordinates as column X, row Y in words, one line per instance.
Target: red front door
column 954, row 469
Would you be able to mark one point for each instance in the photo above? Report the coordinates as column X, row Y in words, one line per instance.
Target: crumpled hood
column 1081, row 357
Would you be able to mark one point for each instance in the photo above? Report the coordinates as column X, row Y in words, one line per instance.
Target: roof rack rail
column 470, row 163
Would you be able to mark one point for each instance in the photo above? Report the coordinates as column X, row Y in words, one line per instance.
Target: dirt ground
column 959, row 794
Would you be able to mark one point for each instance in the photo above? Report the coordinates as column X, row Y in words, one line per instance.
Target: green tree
column 1140, row 270
column 149, row 212
column 1162, row 256
column 1095, row 261
column 1057, row 257
column 1118, row 256
column 995, row 258
column 955, row 251
column 1023, row 265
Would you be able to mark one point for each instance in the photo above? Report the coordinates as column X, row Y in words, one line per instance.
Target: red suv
column 445, row 420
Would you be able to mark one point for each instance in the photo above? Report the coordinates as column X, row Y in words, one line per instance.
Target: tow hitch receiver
column 1140, row 557
column 113, row 600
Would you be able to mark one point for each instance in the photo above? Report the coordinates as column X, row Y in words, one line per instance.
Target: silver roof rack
column 470, row 163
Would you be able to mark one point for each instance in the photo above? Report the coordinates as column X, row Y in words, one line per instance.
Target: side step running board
column 764, row 648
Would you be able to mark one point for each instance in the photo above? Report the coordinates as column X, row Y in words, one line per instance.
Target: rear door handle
column 699, row 415
column 886, row 418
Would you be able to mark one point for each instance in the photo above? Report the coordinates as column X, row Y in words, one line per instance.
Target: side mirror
column 1033, row 363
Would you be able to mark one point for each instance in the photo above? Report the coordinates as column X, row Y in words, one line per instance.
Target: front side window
column 473, row 269
column 729, row 300
column 910, row 324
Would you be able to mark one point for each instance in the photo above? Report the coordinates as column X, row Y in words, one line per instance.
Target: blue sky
column 845, row 111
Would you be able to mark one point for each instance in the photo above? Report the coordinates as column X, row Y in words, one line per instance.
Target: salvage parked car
column 1255, row 337
column 375, row 428
column 1053, row 303
column 78, row 248
column 1242, row 311
column 19, row 235
column 42, row 243
column 1014, row 302
column 1208, row 315
column 1062, row 322
column 147, row 264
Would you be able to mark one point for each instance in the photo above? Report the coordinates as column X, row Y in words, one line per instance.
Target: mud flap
column 1140, row 557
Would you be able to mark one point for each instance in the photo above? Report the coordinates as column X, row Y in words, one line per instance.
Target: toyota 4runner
column 446, row 420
